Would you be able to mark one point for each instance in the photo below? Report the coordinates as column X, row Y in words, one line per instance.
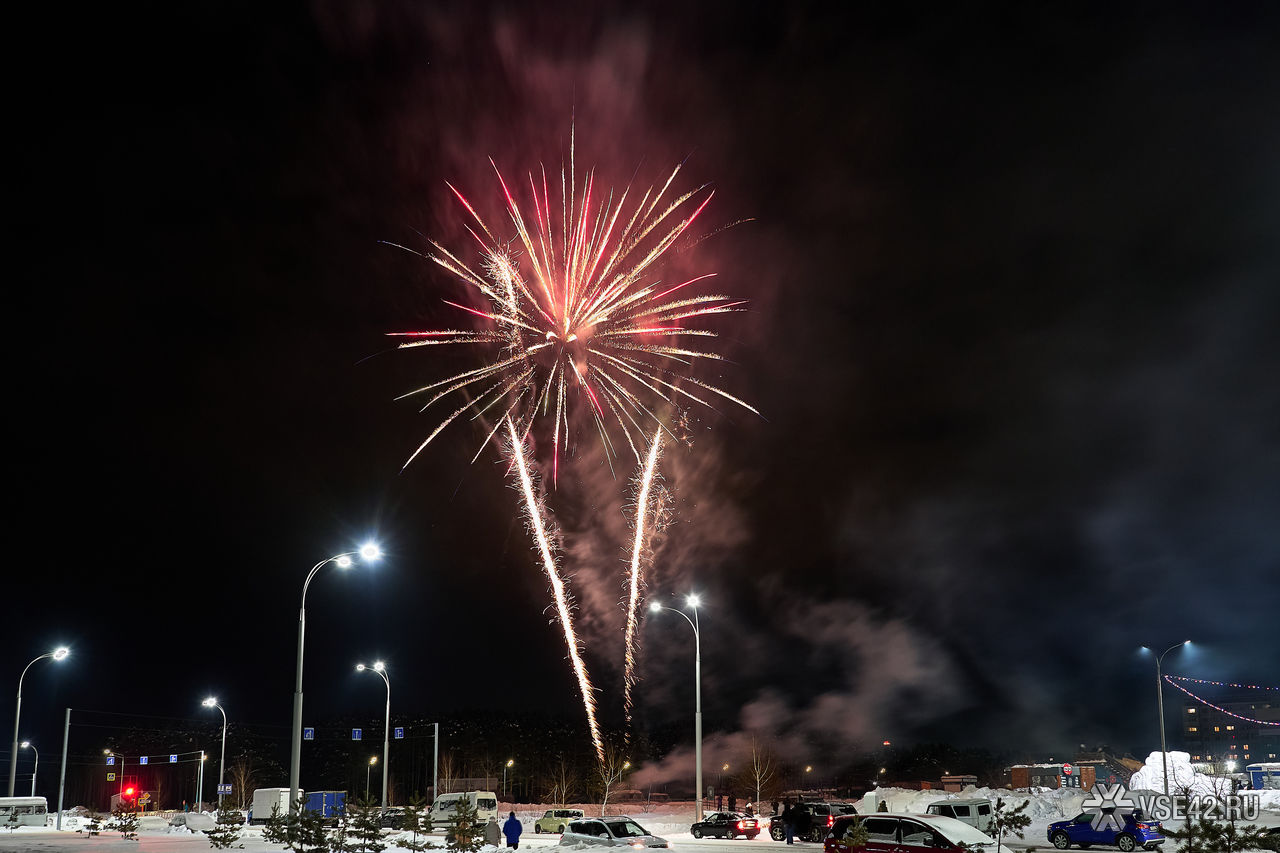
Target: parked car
column 392, row 817
column 976, row 812
column 813, row 821
column 555, row 820
column 726, row 825
column 916, row 832
column 609, row 832
column 1134, row 831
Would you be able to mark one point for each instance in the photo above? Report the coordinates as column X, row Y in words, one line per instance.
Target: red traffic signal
column 128, row 792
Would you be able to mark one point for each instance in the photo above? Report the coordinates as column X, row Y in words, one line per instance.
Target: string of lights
column 1209, row 704
column 1222, row 683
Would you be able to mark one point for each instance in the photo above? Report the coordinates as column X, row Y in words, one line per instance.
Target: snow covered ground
column 670, row 820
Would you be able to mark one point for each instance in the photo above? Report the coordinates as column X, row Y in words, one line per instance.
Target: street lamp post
column 505, row 767
column 368, row 553
column 56, row 654
column 26, row 744
column 693, row 601
column 381, row 668
column 1164, row 752
column 211, row 702
column 373, row 759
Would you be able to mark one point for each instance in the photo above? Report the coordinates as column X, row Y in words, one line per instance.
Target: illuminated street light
column 211, row 702
column 343, row 561
column 381, row 669
column 373, row 759
column 57, row 654
column 693, row 600
column 505, row 768
column 26, row 744
column 1164, row 751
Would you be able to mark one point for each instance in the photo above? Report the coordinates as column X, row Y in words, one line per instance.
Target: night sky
column 1014, row 285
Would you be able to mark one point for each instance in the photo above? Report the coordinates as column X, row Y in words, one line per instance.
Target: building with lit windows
column 1237, row 735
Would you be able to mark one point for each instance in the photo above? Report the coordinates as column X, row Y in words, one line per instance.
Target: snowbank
column 1045, row 803
column 1183, row 777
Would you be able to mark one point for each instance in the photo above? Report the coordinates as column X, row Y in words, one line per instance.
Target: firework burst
column 573, row 318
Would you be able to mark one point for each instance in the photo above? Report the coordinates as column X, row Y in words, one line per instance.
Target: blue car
column 1134, row 832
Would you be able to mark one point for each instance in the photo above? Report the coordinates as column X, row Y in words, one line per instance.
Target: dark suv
column 812, row 820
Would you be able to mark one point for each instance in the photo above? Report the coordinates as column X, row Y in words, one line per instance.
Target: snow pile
column 1045, row 803
column 1268, row 799
column 1183, row 777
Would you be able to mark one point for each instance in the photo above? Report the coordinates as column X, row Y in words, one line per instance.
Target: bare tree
column 561, row 783
column 761, row 770
column 448, row 773
column 609, row 772
column 243, row 780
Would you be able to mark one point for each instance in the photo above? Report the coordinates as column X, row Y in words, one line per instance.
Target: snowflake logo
column 1108, row 801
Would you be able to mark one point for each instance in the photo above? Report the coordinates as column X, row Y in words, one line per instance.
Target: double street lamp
column 367, row 553
column 56, row 654
column 692, row 601
column 1164, row 752
column 211, row 702
column 381, row 669
column 26, row 744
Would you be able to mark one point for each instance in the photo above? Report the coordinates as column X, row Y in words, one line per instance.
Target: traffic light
column 129, row 792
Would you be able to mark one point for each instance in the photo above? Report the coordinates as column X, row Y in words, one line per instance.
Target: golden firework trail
column 635, row 575
column 538, row 525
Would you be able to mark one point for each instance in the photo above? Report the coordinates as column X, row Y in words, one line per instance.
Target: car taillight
column 739, row 824
column 830, row 820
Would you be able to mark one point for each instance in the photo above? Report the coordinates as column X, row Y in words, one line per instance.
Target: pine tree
column 366, row 827
column 226, row 829
column 94, row 825
column 1006, row 821
column 276, row 829
column 338, row 838
column 1208, row 836
column 465, row 835
column 305, row 830
column 416, row 820
column 856, row 834
column 125, row 822
column 12, row 823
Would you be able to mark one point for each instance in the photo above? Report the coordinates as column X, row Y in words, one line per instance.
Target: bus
column 31, row 811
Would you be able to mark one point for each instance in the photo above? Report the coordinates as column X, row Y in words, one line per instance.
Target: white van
column 976, row 812
column 444, row 809
column 31, row 811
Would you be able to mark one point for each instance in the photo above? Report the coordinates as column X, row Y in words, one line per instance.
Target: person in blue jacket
column 512, row 829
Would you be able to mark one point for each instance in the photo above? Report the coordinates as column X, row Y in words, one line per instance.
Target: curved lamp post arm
column 317, row 567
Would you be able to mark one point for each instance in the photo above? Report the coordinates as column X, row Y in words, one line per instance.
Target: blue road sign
column 142, row 760
column 111, row 759
column 356, row 733
column 173, row 759
column 399, row 732
column 224, row 789
column 309, row 734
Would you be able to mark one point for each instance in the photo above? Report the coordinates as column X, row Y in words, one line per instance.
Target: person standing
column 512, row 830
column 492, row 832
column 789, row 821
